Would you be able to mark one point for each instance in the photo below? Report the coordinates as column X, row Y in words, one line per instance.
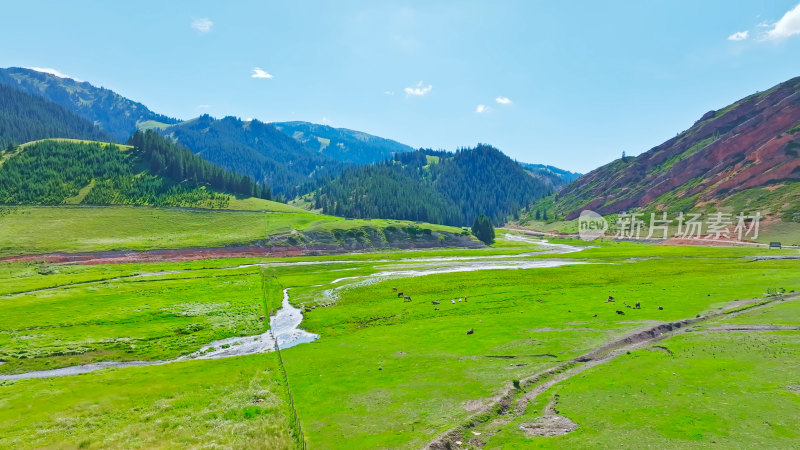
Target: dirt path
column 500, row 409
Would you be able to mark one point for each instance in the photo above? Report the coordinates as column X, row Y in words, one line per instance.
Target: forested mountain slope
column 255, row 149
column 342, row 144
column 435, row 186
column 111, row 111
column 25, row 117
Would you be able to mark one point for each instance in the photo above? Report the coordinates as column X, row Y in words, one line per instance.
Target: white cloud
column 419, row 90
column 261, row 73
column 789, row 25
column 739, row 36
column 202, row 25
column 203, row 106
column 503, row 100
column 480, row 109
column 325, row 121
column 52, row 71
column 390, row 93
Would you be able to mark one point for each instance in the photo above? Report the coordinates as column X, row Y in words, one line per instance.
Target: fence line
column 300, row 435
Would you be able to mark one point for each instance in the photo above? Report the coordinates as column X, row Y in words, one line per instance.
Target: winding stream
column 285, row 328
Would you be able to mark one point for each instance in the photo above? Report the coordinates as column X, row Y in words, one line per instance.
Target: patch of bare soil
column 473, row 406
column 793, row 388
column 551, row 424
column 555, row 425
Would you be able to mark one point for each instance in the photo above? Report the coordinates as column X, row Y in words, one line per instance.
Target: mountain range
column 290, row 159
column 743, row 156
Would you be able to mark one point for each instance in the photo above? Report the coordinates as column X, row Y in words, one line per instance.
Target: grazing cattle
column 594, row 315
column 435, row 302
column 660, row 308
column 435, row 309
column 406, row 299
column 453, row 302
column 638, row 305
column 620, row 313
column 261, row 318
column 394, row 289
column 459, row 300
column 399, row 294
column 471, row 330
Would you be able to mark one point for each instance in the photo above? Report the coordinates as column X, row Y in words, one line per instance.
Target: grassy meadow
column 385, row 372
column 699, row 389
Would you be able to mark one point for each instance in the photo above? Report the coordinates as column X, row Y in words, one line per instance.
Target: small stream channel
column 285, row 323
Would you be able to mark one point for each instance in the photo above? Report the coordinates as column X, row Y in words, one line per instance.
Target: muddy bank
column 277, row 247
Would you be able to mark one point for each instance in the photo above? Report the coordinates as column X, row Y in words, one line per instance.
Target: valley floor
column 511, row 346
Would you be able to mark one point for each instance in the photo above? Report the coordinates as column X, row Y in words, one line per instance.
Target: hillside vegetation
column 435, row 186
column 111, row 111
column 255, row 149
column 154, row 172
column 25, row 117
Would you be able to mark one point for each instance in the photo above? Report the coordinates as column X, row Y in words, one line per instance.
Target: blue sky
column 570, row 84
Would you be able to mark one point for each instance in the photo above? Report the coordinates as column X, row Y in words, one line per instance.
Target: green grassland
column 388, row 372
column 137, row 318
column 406, row 370
column 240, row 402
column 698, row 389
column 31, row 230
